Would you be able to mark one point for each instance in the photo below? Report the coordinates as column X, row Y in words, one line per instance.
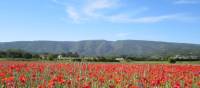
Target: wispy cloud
column 146, row 19
column 86, row 10
column 186, row 1
column 90, row 9
column 73, row 14
column 93, row 6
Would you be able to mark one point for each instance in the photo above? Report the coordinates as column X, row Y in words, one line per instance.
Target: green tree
column 27, row 55
column 2, row 54
column 15, row 53
column 52, row 57
column 76, row 54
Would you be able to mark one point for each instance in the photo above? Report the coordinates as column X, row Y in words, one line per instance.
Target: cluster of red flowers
column 97, row 75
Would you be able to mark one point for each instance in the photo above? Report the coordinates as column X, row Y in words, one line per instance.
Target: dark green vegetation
column 133, row 48
column 13, row 54
column 17, row 54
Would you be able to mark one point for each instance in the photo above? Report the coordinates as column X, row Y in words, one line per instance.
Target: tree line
column 14, row 53
column 17, row 53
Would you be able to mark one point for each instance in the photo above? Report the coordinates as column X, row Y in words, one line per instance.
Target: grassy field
column 132, row 62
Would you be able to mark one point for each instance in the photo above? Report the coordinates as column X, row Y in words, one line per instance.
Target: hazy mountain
column 102, row 47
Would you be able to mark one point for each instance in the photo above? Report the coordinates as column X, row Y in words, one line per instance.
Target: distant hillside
column 102, row 47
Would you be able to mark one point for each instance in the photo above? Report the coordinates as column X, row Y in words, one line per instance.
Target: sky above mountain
column 73, row 20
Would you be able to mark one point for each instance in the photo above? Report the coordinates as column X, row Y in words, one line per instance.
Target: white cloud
column 149, row 19
column 90, row 9
column 87, row 10
column 73, row 14
column 93, row 6
column 186, row 1
column 123, row 18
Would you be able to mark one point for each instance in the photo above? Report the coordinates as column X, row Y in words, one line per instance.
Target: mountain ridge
column 102, row 40
column 105, row 48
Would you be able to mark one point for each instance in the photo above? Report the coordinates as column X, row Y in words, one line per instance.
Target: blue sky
column 73, row 20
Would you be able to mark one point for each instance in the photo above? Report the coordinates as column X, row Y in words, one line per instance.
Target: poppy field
column 18, row 74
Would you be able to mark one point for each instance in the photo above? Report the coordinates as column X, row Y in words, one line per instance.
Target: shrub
column 172, row 61
column 27, row 55
column 76, row 60
column 51, row 57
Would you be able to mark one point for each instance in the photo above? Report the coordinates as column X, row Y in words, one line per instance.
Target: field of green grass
column 132, row 62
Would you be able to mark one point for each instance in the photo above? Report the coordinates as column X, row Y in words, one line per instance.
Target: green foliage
column 35, row 56
column 172, row 61
column 51, row 57
column 70, row 54
column 15, row 53
column 2, row 54
column 27, row 55
column 76, row 60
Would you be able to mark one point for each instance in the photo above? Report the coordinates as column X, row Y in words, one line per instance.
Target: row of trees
column 13, row 53
column 16, row 53
column 69, row 54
